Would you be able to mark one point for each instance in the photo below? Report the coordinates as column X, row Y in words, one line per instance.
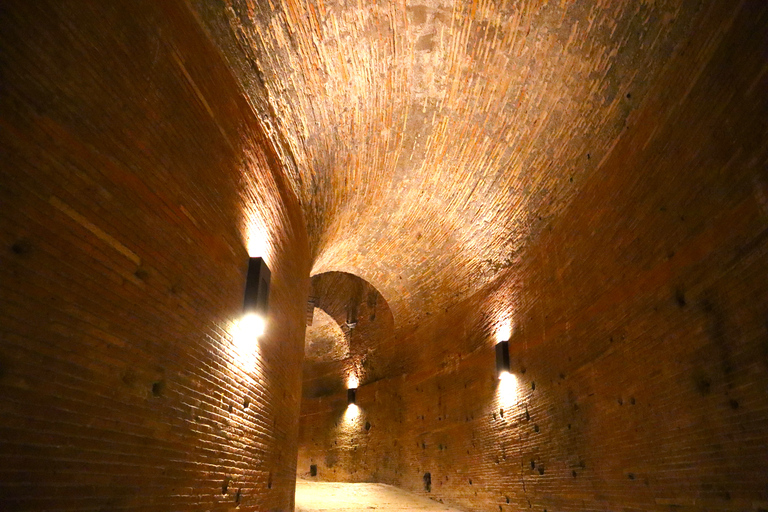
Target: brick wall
column 364, row 317
column 639, row 327
column 132, row 178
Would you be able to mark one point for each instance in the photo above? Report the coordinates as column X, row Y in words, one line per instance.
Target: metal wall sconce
column 502, row 358
column 351, row 396
column 256, row 300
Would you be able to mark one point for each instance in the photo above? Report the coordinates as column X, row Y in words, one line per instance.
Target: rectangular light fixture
column 502, row 358
column 351, row 396
column 256, row 300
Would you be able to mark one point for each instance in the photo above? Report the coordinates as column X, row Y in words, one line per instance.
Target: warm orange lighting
column 257, row 245
column 248, row 332
column 352, row 412
column 504, row 332
column 352, row 381
column 252, row 325
column 507, row 389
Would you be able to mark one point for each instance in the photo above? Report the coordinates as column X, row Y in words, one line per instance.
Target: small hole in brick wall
column 470, row 481
column 238, row 496
column 631, row 476
column 574, row 473
column 703, row 384
column 541, row 470
column 225, row 485
column 427, row 481
column 734, row 404
column 680, row 298
column 535, row 428
column 21, row 247
column 533, row 464
column 246, row 403
column 269, row 482
column 533, row 386
column 141, row 274
column 507, row 498
column 313, row 470
column 158, row 388
column 367, row 425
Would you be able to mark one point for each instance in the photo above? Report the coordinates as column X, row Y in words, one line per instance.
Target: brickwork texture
column 586, row 179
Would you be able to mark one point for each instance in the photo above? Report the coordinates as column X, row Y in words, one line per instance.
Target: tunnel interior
column 587, row 181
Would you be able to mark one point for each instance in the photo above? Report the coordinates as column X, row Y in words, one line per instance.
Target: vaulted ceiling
column 429, row 143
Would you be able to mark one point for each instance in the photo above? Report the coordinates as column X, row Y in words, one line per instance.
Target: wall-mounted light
column 256, row 300
column 351, row 396
column 502, row 359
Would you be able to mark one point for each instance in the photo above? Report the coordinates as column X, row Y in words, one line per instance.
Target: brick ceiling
column 429, row 143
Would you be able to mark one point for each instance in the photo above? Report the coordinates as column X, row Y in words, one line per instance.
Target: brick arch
column 325, row 340
column 363, row 316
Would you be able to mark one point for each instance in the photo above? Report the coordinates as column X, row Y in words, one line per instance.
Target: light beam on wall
column 255, row 306
column 505, row 331
column 352, row 412
column 502, row 359
column 257, row 245
column 507, row 390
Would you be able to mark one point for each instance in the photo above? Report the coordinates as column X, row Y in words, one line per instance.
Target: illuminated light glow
column 257, row 246
column 352, row 412
column 252, row 325
column 352, row 381
column 507, row 389
column 505, row 331
column 248, row 331
column 257, row 237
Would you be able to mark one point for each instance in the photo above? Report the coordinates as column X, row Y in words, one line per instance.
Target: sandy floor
column 333, row 496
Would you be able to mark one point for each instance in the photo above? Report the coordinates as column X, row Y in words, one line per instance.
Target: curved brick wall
column 132, row 177
column 638, row 322
column 589, row 176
